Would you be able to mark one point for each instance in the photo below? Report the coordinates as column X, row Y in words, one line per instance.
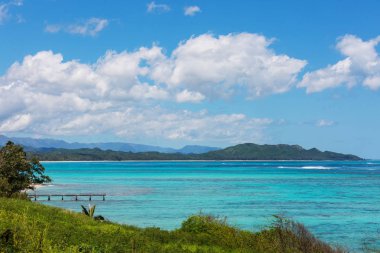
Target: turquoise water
column 338, row 201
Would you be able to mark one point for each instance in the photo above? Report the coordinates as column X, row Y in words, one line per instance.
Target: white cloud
column 182, row 125
column 3, row 12
column 121, row 91
column 189, row 96
column 53, row 28
column 218, row 66
column 191, row 10
column 200, row 68
column 159, row 8
column 329, row 77
column 146, row 91
column 5, row 7
column 16, row 123
column 325, row 123
column 361, row 66
column 372, row 82
column 90, row 27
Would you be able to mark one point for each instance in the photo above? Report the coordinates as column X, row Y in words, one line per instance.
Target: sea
column 338, row 201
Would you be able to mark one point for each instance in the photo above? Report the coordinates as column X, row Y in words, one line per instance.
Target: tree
column 17, row 172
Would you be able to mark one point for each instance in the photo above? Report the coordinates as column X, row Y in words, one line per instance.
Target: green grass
column 31, row 227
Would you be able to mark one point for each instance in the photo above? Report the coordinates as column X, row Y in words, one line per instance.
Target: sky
column 188, row 72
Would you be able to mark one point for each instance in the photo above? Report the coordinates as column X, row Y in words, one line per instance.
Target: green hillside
column 247, row 151
column 251, row 151
column 26, row 226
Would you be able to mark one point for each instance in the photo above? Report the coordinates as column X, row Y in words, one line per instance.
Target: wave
column 316, row 168
column 286, row 167
column 306, row 167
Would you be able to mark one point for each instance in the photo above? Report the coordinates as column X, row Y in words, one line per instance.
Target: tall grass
column 31, row 227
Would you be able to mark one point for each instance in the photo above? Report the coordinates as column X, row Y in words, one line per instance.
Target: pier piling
column 62, row 196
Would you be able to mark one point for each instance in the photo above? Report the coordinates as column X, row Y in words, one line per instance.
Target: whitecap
column 316, row 168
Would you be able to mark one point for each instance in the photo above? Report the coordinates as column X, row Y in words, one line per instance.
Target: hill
column 26, row 226
column 251, row 151
column 247, row 151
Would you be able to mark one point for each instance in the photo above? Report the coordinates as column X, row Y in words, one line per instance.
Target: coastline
column 38, row 186
column 105, row 161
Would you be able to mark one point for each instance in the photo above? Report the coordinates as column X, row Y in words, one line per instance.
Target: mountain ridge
column 115, row 146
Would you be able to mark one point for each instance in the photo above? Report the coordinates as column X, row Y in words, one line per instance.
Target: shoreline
column 105, row 161
column 38, row 186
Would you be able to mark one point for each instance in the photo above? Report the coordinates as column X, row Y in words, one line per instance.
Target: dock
column 74, row 197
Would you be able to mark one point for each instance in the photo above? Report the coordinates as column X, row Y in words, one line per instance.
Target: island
column 246, row 151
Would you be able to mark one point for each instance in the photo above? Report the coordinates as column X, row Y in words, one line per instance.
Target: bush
column 203, row 224
column 293, row 235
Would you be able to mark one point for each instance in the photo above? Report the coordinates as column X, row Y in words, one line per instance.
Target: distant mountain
column 195, row 149
column 115, row 146
column 247, row 151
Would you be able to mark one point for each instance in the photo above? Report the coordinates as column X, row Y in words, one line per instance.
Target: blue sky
column 172, row 73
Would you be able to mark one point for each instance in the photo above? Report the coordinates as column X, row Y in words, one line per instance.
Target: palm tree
column 90, row 212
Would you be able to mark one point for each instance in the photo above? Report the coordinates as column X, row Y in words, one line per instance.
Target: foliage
column 251, row 151
column 295, row 235
column 202, row 223
column 32, row 227
column 90, row 212
column 17, row 172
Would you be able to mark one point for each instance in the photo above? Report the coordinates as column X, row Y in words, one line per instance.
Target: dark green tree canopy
column 17, row 172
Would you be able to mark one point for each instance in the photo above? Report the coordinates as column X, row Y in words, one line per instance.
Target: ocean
column 338, row 201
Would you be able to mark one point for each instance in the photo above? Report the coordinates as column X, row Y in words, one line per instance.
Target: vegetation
column 248, row 151
column 90, row 212
column 251, row 151
column 26, row 226
column 17, row 172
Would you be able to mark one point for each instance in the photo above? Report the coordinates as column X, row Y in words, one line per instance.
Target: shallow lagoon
column 338, row 201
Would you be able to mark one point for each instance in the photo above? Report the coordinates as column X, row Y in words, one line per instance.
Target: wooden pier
column 62, row 196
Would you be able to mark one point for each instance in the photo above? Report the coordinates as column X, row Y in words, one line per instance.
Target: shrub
column 294, row 235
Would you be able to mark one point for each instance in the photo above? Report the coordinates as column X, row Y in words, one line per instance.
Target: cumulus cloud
column 90, row 27
column 361, row 66
column 16, row 123
column 158, row 8
column 189, row 96
column 113, row 75
column 120, row 92
column 218, row 66
column 155, row 122
column 199, row 68
column 191, row 10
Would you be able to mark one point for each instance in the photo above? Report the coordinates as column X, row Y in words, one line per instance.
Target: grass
column 31, row 227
